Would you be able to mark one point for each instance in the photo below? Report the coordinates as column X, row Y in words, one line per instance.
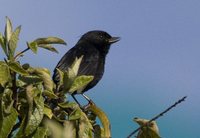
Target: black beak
column 113, row 40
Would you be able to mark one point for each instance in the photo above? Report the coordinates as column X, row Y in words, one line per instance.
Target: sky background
column 156, row 62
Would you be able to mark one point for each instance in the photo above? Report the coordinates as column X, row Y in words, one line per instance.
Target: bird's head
column 100, row 39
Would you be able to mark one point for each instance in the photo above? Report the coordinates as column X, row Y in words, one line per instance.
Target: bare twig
column 159, row 115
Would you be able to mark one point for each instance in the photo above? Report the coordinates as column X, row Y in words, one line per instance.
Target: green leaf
column 45, row 75
column 35, row 112
column 8, row 29
column 148, row 130
column 7, row 100
column 4, row 73
column 24, row 124
column 69, row 130
column 55, row 128
column 29, row 96
column 26, row 80
column 106, row 132
column 21, row 132
column 61, row 76
column 85, row 127
column 76, row 111
column 76, row 114
column 48, row 112
column 33, row 46
column 16, row 67
column 71, row 105
column 68, row 79
column 7, row 122
column 76, row 64
column 12, row 44
column 41, row 132
column 49, row 40
column 80, row 83
column 50, row 94
column 49, row 47
column 3, row 45
column 8, row 114
column 45, row 43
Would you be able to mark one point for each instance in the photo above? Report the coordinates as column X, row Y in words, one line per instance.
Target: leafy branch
column 43, row 43
column 158, row 116
column 31, row 106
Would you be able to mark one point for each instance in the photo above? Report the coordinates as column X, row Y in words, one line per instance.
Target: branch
column 159, row 115
column 20, row 53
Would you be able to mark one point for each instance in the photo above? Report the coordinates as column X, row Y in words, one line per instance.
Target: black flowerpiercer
column 93, row 46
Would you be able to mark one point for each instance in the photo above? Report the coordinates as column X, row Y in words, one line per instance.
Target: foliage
column 31, row 106
column 148, row 129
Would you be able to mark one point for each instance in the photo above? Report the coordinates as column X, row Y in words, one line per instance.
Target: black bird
column 94, row 46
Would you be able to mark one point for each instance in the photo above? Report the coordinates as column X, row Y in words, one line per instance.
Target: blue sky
column 155, row 63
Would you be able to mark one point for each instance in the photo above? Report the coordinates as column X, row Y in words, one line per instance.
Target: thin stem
column 20, row 53
column 159, row 115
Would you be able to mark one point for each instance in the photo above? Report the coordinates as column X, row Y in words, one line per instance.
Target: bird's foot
column 90, row 102
column 85, row 107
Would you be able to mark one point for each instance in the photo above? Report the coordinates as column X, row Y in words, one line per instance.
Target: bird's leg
column 73, row 96
column 87, row 98
column 90, row 102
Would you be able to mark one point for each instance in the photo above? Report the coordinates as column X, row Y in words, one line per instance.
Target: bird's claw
column 85, row 107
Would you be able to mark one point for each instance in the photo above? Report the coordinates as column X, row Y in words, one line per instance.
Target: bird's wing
column 65, row 62
column 92, row 65
column 89, row 63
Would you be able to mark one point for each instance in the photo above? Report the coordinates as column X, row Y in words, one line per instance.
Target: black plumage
column 94, row 47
